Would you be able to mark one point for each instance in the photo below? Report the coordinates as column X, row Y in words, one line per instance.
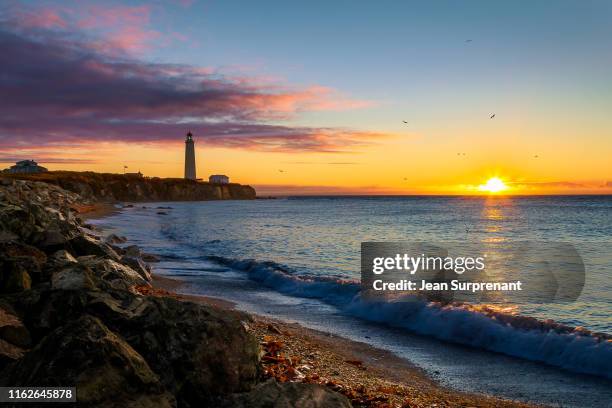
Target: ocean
column 298, row 259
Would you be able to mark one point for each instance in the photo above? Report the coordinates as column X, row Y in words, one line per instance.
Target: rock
column 106, row 371
column 60, row 259
column 289, row 395
column 89, row 233
column 138, row 265
column 273, row 329
column 12, row 329
column 20, row 251
column 132, row 250
column 19, row 265
column 42, row 309
column 9, row 353
column 86, row 245
column 54, row 213
column 6, row 236
column 115, row 239
column 14, row 278
column 120, row 251
column 150, row 257
column 52, row 240
column 198, row 352
column 17, row 221
column 83, row 323
column 73, row 277
column 162, row 213
column 113, row 272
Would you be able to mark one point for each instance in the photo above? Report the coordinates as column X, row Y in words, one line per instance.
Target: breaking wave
column 481, row 326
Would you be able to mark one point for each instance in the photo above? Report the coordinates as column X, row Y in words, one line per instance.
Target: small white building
column 218, row 179
column 25, row 166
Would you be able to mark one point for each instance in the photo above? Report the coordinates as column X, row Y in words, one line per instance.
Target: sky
column 318, row 97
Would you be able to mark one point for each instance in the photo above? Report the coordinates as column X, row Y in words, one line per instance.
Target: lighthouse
column 190, row 171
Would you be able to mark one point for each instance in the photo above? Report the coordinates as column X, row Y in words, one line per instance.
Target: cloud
column 549, row 184
column 43, row 18
column 58, row 88
column 116, row 29
column 324, row 163
column 44, row 160
column 569, row 186
column 126, row 28
column 299, row 190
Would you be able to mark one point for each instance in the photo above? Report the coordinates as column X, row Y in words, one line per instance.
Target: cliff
column 118, row 187
column 77, row 309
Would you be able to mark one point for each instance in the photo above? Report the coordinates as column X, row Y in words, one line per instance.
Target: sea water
column 298, row 259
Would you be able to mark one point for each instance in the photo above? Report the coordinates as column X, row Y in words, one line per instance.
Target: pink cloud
column 114, row 16
column 82, row 89
column 112, row 28
column 43, row 18
column 125, row 28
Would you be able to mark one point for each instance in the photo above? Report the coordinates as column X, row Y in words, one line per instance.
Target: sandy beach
column 94, row 211
column 370, row 377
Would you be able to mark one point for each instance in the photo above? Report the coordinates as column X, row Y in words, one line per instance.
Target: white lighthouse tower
column 190, row 170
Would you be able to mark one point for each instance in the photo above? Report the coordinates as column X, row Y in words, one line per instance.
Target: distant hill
column 120, row 187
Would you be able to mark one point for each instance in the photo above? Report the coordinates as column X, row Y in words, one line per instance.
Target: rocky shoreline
column 106, row 187
column 75, row 311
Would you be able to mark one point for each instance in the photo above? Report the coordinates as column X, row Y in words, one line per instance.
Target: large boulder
column 60, row 259
column 289, row 395
column 14, row 336
column 12, row 329
column 15, row 221
column 119, row 275
column 87, row 245
column 199, row 352
column 115, row 239
column 106, row 371
column 137, row 265
column 133, row 251
column 19, row 265
column 73, row 277
column 14, row 277
column 9, row 353
column 42, row 310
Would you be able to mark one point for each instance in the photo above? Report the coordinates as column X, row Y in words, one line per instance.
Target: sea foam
column 479, row 326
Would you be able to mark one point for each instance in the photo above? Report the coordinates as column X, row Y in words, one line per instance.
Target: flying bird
column 492, row 116
column 282, row 171
column 404, row 121
column 536, row 156
column 468, row 41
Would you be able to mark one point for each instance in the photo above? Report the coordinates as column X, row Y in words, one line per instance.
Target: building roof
column 26, row 163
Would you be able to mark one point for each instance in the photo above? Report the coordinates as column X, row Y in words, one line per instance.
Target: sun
column 493, row 185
